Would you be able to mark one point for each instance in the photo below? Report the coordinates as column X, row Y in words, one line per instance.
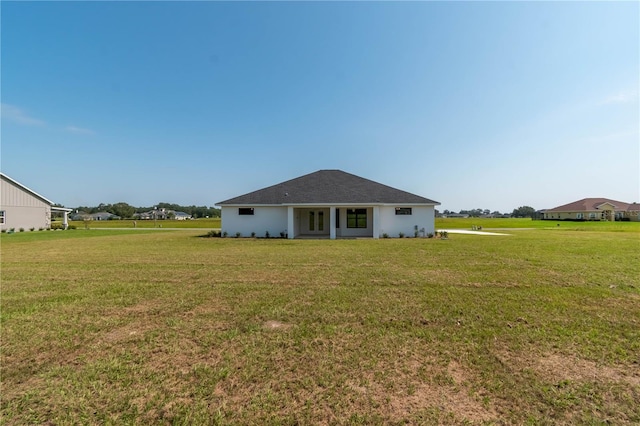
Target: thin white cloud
column 79, row 130
column 609, row 138
column 19, row 116
column 620, row 97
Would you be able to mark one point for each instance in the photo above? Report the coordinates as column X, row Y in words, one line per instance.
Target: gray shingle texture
column 328, row 187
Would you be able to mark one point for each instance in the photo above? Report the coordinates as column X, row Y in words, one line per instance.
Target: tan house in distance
column 595, row 209
column 23, row 208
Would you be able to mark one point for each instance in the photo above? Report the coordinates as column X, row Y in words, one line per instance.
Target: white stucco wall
column 392, row 224
column 272, row 219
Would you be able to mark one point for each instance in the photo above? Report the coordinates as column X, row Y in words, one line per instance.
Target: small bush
column 267, row 235
column 225, row 234
column 41, row 229
column 32, row 229
column 72, row 227
column 238, row 234
column 385, row 235
column 21, row 229
column 253, row 235
column 430, row 235
column 213, row 234
column 401, row 235
column 3, row 231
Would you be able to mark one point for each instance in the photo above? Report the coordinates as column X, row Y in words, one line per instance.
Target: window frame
column 246, row 211
column 404, row 211
column 356, row 218
column 3, row 215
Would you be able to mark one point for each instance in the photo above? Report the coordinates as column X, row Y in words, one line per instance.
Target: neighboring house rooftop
column 103, row 216
column 328, row 187
column 589, row 204
column 633, row 207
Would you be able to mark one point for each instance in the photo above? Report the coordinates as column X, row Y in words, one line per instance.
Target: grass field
column 441, row 223
column 139, row 327
column 128, row 223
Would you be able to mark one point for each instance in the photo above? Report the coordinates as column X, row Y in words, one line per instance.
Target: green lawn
column 139, row 327
column 460, row 223
column 212, row 223
column 441, row 223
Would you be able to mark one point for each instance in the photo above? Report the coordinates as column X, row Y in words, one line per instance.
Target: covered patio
column 332, row 221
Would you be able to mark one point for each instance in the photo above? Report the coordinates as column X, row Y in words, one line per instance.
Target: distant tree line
column 523, row 211
column 127, row 211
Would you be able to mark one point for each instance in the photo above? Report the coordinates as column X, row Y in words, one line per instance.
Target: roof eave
column 326, row 204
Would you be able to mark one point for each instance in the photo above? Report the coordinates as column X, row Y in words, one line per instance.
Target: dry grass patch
column 558, row 367
column 416, row 389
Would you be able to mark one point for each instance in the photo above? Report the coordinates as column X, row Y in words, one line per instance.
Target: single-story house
column 455, row 215
column 328, row 204
column 594, row 209
column 162, row 214
column 181, row 216
column 80, row 215
column 103, row 216
column 21, row 207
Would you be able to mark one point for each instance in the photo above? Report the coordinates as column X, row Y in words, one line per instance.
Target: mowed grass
column 140, row 327
column 526, row 223
column 441, row 223
column 210, row 223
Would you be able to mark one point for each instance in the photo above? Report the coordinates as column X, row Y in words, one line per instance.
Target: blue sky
column 476, row 105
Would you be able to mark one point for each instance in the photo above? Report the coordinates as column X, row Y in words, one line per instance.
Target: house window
column 400, row 211
column 2, row 213
column 592, row 215
column 320, row 221
column 578, row 215
column 337, row 218
column 312, row 221
column 245, row 211
column 356, row 218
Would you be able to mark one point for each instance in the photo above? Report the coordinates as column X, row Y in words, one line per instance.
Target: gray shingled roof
column 328, row 187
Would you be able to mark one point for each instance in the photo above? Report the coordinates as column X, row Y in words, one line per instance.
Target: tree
column 524, row 211
column 123, row 210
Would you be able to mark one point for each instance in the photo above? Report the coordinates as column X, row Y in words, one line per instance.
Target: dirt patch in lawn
column 429, row 387
column 553, row 366
column 276, row 325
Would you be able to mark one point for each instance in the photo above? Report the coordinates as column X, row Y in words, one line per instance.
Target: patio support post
column 376, row 222
column 332, row 223
column 291, row 227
